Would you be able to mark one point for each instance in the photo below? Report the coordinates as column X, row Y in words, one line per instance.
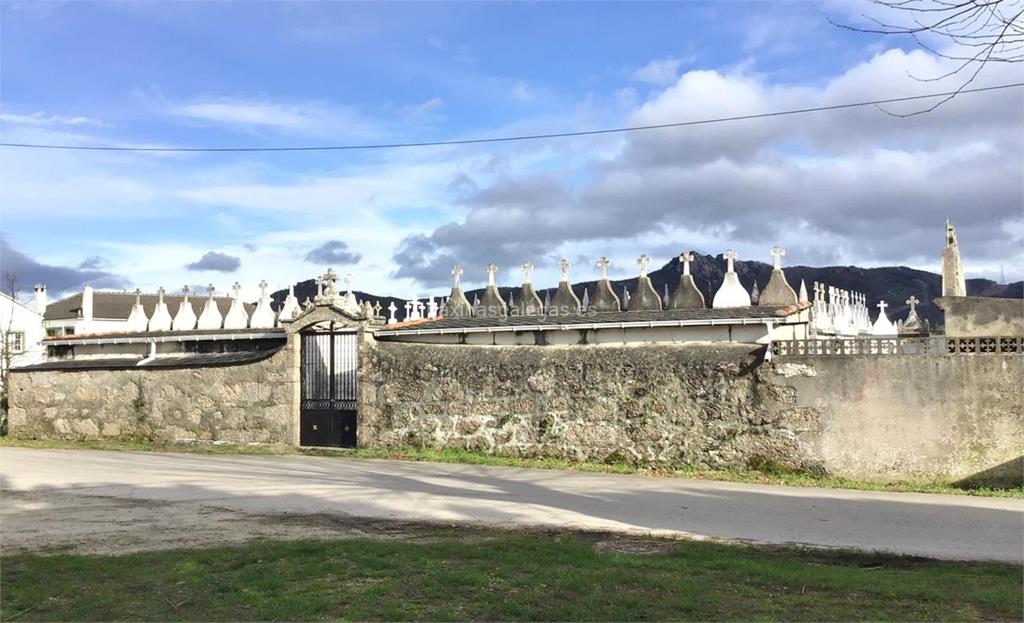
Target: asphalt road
column 939, row 526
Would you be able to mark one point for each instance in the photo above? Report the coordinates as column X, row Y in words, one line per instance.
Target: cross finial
column 730, row 257
column 209, row 290
column 527, row 271
column 881, row 306
column 237, row 288
column 160, row 293
column 263, row 287
column 491, row 269
column 912, row 301
column 138, row 296
column 563, row 266
column 456, row 276
column 184, row 291
column 603, row 263
column 686, row 258
column 642, row 263
column 777, row 253
column 348, row 282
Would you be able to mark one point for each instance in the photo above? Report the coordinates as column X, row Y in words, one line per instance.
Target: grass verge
column 768, row 476
column 504, row 576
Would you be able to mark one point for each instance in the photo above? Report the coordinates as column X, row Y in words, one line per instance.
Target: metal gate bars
column 327, row 412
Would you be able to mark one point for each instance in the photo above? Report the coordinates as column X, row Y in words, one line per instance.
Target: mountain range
column 893, row 284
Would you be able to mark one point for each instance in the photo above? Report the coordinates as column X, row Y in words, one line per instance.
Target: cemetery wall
column 698, row 405
column 252, row 402
column 975, row 316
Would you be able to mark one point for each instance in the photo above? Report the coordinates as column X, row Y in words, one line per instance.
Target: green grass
column 502, row 576
column 767, row 476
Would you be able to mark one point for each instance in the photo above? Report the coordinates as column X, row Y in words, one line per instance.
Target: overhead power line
column 523, row 137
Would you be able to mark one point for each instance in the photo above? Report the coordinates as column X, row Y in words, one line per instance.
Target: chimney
column 40, row 299
column 87, row 304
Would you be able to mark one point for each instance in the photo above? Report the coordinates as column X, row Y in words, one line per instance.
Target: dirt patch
column 53, row 521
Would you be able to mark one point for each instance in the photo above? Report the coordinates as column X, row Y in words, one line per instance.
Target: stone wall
column 708, row 405
column 699, row 405
column 252, row 402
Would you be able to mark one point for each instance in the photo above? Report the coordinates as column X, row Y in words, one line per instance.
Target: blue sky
column 858, row 187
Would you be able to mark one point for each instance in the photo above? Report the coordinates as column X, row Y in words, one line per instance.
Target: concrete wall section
column 241, row 403
column 942, row 416
column 975, row 316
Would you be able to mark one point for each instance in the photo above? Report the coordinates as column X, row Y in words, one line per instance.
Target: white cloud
column 522, row 92
column 308, row 118
column 662, row 71
column 40, row 118
column 858, row 185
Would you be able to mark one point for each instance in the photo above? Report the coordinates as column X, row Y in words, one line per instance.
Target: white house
column 21, row 327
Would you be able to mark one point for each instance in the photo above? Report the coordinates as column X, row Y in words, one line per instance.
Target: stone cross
column 417, row 309
column 642, row 263
column 432, row 308
column 881, row 307
column 408, row 306
column 527, row 272
column 376, row 309
column 912, row 301
column 319, row 287
column 563, row 266
column 730, row 257
column 777, row 253
column 263, row 288
column 331, row 278
column 160, row 294
column 686, row 258
column 456, row 275
column 209, row 291
column 348, row 283
column 391, row 312
column 138, row 296
column 184, row 292
column 491, row 269
column 238, row 289
column 603, row 263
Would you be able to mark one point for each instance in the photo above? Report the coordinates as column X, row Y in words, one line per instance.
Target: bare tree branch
column 979, row 32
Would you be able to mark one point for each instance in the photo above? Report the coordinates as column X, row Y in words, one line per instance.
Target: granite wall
column 874, row 417
column 246, row 403
column 708, row 405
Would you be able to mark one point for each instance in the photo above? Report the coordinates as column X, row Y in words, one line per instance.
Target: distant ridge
column 895, row 284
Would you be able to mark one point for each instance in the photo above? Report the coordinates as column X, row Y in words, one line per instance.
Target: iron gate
column 327, row 413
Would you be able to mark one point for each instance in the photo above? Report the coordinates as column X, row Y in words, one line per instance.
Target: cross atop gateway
column 912, row 301
column 456, row 276
column 686, row 258
column 527, row 271
column 881, row 306
column 777, row 253
column 563, row 267
column 603, row 263
column 642, row 263
column 491, row 269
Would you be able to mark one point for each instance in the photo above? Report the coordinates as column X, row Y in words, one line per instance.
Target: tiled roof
column 117, row 305
column 166, row 361
column 689, row 316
